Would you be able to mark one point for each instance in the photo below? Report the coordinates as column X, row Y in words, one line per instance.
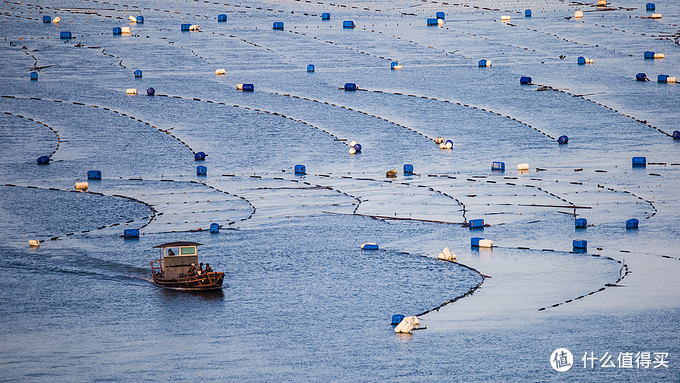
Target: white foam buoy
column 352, row 143
column 485, row 243
column 220, row 72
column 578, row 14
column 397, row 67
column 447, row 255
column 440, row 22
column 658, row 55
column 448, row 145
column 523, row 167
column 671, row 80
column 407, row 324
column 56, row 20
column 391, row 173
column 656, row 16
column 438, row 140
column 488, row 63
column 505, row 18
column 124, row 30
column 131, row 91
column 352, row 151
column 34, row 243
column 195, row 27
column 601, row 2
column 239, row 86
column 132, row 19
column 82, row 185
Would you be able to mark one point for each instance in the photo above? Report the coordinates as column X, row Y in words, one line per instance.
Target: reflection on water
column 172, row 295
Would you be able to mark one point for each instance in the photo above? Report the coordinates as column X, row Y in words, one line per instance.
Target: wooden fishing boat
column 174, row 268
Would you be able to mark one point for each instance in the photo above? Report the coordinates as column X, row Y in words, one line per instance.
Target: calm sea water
column 302, row 301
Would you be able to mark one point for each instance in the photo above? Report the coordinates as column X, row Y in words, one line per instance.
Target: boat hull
column 209, row 281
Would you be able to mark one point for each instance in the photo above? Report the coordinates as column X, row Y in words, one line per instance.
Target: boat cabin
column 176, row 259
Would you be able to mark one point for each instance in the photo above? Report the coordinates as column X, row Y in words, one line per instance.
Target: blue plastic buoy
column 94, row 175
column 348, row 24
column 580, row 223
column 580, row 244
column 185, row 27
column 34, row 76
column 140, row 19
column 138, row 73
column 651, row 6
column 222, row 17
column 370, row 246
column 563, row 140
column 649, row 54
column 248, row 87
column 350, row 86
column 408, row 169
column 676, row 135
column 581, row 60
column 199, row 156
column 440, row 15
column 325, row 16
column 131, row 233
column 47, row 19
column 497, row 165
column 475, row 241
column 632, row 223
column 476, row 224
column 481, row 63
column 357, row 147
column 639, row 162
column 448, row 142
column 397, row 318
column 525, row 80
column 310, row 68
column 641, row 77
column 65, row 35
column 432, row 22
column 150, row 92
column 393, row 64
column 527, row 13
column 201, row 170
column 662, row 78
column 278, row 25
column 214, row 228
column 300, row 169
column 43, row 160
column 117, row 30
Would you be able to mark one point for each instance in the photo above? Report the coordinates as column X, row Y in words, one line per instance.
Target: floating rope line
column 644, row 122
column 463, row 105
column 335, row 137
column 166, row 131
column 55, row 131
column 148, row 219
column 357, row 111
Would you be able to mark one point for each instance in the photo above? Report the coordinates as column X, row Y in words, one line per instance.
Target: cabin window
column 187, row 250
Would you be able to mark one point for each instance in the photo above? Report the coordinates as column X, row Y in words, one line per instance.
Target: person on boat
column 208, row 269
column 200, row 269
column 170, row 252
column 192, row 270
